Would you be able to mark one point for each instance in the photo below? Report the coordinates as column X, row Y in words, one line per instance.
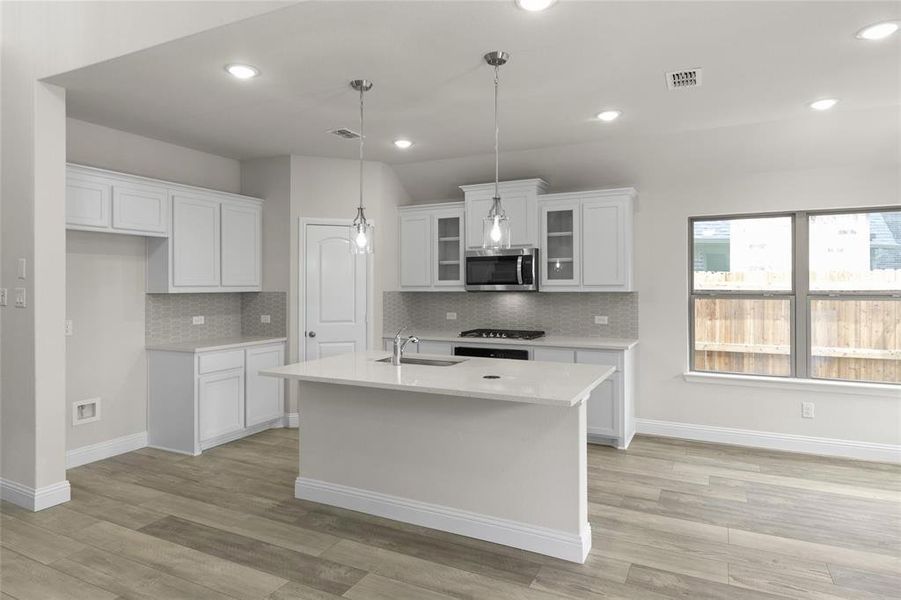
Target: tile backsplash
column 168, row 318
column 555, row 313
column 256, row 304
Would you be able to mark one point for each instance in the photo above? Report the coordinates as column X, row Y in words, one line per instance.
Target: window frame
column 800, row 295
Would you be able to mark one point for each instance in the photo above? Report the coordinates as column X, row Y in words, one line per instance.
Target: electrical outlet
column 451, row 316
column 197, row 320
column 807, row 410
column 69, row 329
column 601, row 320
column 20, row 298
column 265, row 319
column 2, row 296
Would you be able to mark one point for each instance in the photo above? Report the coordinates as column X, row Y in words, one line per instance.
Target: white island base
column 511, row 471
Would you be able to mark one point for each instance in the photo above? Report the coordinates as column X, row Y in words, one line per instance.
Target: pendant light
column 496, row 227
column 361, row 231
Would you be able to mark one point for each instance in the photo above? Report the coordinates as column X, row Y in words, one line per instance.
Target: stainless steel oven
column 511, row 270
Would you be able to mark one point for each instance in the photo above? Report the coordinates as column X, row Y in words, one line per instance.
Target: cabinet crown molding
column 531, row 184
column 170, row 185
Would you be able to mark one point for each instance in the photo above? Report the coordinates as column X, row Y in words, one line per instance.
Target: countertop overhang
column 528, row 382
column 214, row 344
column 548, row 341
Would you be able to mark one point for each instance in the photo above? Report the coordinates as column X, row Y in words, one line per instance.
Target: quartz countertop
column 215, row 344
column 529, row 382
column 550, row 341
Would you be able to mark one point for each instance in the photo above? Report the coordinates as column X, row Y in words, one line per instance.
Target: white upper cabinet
column 241, row 227
column 607, row 243
column 215, row 245
column 140, row 209
column 520, row 202
column 431, row 247
column 447, row 248
column 560, row 247
column 87, row 201
column 195, row 241
column 415, row 249
column 586, row 241
column 100, row 200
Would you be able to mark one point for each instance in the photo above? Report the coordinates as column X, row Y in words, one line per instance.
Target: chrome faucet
column 399, row 345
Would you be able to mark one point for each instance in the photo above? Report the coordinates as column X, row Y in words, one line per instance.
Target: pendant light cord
column 361, row 146
column 496, row 135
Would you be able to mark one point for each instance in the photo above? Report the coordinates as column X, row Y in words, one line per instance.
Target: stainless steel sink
column 431, row 362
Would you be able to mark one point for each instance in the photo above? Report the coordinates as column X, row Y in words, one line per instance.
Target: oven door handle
column 519, row 270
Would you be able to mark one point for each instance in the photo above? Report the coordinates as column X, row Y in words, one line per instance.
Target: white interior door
column 335, row 293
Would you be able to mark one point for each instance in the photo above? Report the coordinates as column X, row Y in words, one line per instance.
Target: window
column 807, row 294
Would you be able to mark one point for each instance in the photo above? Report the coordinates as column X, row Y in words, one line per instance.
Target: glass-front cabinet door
column 560, row 230
column 447, row 227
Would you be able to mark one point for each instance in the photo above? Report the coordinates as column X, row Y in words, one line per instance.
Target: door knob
column 312, row 334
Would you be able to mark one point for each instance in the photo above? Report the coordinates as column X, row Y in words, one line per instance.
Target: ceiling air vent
column 344, row 132
column 689, row 78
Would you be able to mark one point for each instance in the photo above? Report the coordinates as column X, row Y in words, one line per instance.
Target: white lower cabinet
column 200, row 399
column 265, row 395
column 220, row 404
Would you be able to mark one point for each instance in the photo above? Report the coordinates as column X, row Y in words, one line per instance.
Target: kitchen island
column 487, row 448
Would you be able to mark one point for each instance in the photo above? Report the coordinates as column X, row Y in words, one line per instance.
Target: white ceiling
column 763, row 62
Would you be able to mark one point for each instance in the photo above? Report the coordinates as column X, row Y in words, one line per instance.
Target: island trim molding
column 551, row 542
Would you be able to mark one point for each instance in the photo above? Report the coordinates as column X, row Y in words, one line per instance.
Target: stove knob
column 503, row 335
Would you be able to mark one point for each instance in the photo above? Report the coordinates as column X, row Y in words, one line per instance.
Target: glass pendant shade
column 361, row 235
column 496, row 228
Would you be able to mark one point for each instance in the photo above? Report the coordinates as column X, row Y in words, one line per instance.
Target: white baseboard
column 99, row 451
column 890, row 453
column 35, row 499
column 292, row 420
column 551, row 542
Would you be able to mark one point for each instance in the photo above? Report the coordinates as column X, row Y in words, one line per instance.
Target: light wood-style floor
column 670, row 519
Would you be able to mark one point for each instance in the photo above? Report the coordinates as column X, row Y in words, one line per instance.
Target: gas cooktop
column 509, row 334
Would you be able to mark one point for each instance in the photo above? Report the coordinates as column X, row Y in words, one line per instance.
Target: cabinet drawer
column 210, row 362
column 559, row 355
column 614, row 358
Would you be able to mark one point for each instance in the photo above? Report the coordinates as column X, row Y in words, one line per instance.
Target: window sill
column 802, row 385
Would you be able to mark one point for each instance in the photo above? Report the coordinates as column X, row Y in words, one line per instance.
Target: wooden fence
column 850, row 339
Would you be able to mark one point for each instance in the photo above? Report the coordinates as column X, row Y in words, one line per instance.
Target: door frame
column 302, row 283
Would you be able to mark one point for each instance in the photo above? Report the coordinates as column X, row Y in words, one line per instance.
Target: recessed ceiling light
column 534, row 5
column 403, row 144
column 239, row 71
column 824, row 104
column 609, row 115
column 878, row 31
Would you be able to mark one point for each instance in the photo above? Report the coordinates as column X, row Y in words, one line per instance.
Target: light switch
column 601, row 320
column 22, row 269
column 451, row 316
column 2, row 296
column 265, row 319
column 20, row 298
column 197, row 320
column 69, row 329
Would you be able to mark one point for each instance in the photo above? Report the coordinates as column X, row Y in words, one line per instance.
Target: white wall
column 270, row 179
column 105, row 355
column 105, row 281
column 106, row 148
column 843, row 159
column 42, row 39
column 663, row 305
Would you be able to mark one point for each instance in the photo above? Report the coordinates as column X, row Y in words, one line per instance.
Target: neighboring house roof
column 885, row 229
column 711, row 231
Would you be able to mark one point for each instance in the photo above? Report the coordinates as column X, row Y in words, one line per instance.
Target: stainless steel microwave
column 510, row 270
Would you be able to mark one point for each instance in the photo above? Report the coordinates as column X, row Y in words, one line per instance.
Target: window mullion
column 801, row 279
